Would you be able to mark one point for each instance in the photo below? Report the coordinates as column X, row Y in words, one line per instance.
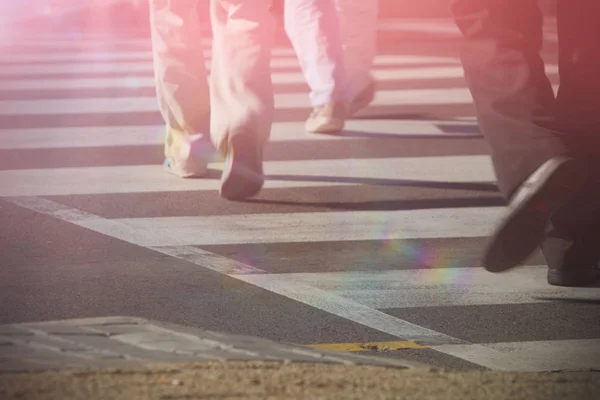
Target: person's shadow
column 459, row 130
column 493, row 199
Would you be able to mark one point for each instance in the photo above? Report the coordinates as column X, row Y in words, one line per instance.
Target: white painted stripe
column 82, row 68
column 283, row 286
column 551, row 355
column 71, row 59
column 77, row 49
column 147, row 82
column 489, row 358
column 24, row 12
column 209, row 260
column 141, row 67
column 407, row 59
column 77, row 106
column 280, row 174
column 278, row 78
column 442, row 286
column 78, row 83
column 315, row 227
column 287, row 77
column 47, row 44
column 282, row 101
column 345, row 308
column 293, row 77
column 444, row 27
column 110, row 136
column 90, row 42
column 289, row 287
column 554, row 355
column 95, row 35
column 119, row 105
column 84, row 53
column 395, row 74
column 73, row 137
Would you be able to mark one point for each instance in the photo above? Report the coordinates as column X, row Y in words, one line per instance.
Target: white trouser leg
column 312, row 27
column 241, row 88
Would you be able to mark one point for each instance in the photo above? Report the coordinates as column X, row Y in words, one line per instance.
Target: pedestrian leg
column 181, row 84
column 241, row 91
column 537, row 167
column 312, row 27
column 358, row 31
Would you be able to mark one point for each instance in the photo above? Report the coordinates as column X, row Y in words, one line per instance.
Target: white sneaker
column 188, row 156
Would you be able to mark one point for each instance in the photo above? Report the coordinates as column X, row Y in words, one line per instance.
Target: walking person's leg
column 571, row 247
column 181, row 84
column 358, row 31
column 312, row 27
column 241, row 91
column 537, row 168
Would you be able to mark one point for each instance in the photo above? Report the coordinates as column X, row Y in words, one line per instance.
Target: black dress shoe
column 574, row 275
column 554, row 184
column 572, row 262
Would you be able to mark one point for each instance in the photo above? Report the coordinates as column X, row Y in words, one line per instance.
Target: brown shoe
column 329, row 118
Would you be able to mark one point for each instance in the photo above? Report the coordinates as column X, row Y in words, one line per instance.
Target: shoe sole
column 242, row 177
column 519, row 234
column 573, row 278
column 188, row 175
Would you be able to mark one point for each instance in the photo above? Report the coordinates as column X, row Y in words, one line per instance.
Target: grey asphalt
column 50, row 269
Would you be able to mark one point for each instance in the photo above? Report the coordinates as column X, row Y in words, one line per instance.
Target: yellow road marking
column 368, row 346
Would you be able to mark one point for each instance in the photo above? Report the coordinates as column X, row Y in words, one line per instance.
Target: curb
column 123, row 342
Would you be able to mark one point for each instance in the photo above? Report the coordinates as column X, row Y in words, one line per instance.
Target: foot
column 329, row 118
column 549, row 188
column 243, row 174
column 187, row 155
column 573, row 260
column 574, row 277
column 189, row 169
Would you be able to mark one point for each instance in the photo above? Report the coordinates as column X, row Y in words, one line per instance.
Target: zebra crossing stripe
column 312, row 227
column 13, row 62
column 283, row 101
column 441, row 285
column 146, row 69
column 114, row 136
column 279, row 174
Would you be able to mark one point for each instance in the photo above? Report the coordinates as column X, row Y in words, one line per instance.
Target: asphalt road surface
column 369, row 236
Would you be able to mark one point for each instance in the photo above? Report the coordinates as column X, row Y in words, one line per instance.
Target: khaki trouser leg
column 181, row 82
column 241, row 88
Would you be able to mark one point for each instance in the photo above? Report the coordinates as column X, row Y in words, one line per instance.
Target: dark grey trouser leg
column 518, row 114
column 512, row 95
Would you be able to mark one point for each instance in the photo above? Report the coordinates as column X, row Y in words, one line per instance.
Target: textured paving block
column 124, row 341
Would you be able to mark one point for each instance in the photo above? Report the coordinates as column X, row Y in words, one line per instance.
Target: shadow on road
column 466, row 133
column 391, row 205
column 578, row 300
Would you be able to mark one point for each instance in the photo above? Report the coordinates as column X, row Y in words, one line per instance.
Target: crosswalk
column 381, row 224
